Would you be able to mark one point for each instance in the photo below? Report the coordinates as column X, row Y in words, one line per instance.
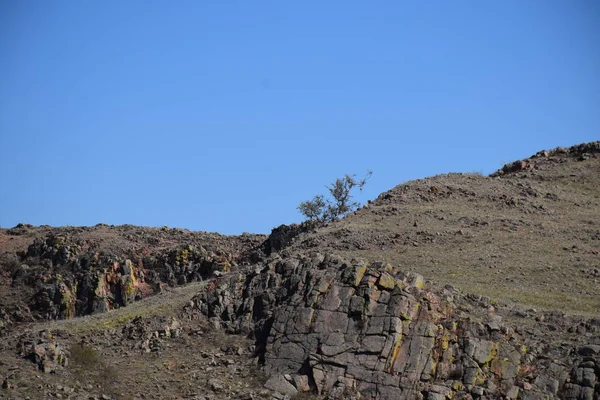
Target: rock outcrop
column 68, row 281
column 44, row 351
column 348, row 327
column 580, row 152
column 284, row 235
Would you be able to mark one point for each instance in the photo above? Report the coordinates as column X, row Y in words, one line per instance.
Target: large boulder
column 370, row 328
column 44, row 350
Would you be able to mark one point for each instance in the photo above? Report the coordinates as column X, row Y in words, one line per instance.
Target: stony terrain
column 148, row 350
column 458, row 286
column 50, row 273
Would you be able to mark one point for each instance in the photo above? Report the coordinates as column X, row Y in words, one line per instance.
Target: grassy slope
column 524, row 238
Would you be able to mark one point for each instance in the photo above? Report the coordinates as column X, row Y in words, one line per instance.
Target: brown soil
column 199, row 362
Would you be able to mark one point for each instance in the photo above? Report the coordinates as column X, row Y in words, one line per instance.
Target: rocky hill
column 528, row 235
column 457, row 286
column 50, row 273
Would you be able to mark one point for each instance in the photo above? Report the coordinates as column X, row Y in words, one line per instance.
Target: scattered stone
column 216, row 385
column 301, row 382
column 589, row 350
column 278, row 383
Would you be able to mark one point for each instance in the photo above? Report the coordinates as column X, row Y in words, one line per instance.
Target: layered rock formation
column 348, row 327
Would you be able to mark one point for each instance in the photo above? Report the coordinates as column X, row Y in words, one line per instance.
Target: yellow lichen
column 394, row 352
column 445, row 341
column 458, row 386
column 68, row 301
column 523, row 349
column 129, row 287
column 419, row 283
column 401, row 284
column 493, row 353
column 359, row 273
column 386, row 281
column 480, row 378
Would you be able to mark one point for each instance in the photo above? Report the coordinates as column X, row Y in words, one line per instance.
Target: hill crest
column 452, row 286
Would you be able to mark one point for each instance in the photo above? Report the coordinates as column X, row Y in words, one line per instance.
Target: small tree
column 340, row 203
column 313, row 209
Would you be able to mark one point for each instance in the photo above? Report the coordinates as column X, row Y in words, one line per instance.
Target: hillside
column 457, row 286
column 529, row 234
column 50, row 273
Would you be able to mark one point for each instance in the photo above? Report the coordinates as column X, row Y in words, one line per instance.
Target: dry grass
column 519, row 239
column 89, row 366
column 168, row 303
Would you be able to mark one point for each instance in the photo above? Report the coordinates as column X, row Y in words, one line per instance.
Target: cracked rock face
column 68, row 282
column 351, row 327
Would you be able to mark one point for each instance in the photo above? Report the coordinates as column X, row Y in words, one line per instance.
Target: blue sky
column 223, row 116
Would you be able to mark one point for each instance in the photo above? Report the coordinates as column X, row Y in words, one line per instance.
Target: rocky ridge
column 344, row 328
column 63, row 273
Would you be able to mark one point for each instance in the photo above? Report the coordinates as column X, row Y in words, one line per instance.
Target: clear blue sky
column 224, row 115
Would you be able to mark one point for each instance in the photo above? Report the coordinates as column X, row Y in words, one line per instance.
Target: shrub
column 340, row 202
column 84, row 356
column 88, row 364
